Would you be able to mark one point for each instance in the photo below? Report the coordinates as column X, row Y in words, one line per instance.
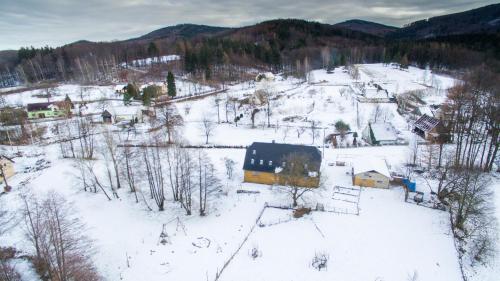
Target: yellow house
column 370, row 172
column 7, row 168
column 264, row 163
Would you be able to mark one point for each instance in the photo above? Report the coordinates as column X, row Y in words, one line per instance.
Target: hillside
column 181, row 30
column 292, row 34
column 482, row 20
column 369, row 27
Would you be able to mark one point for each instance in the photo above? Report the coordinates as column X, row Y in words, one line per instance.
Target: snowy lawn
column 390, row 240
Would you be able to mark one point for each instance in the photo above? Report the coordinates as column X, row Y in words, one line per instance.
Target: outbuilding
column 370, row 172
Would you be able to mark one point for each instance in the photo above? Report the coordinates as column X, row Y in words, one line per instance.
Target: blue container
column 412, row 186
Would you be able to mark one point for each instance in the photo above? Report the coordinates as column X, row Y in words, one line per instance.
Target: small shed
column 106, row 117
column 426, row 127
column 370, row 172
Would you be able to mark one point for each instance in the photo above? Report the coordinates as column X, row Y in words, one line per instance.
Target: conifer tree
column 171, row 85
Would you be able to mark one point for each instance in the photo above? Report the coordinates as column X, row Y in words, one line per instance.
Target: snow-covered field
column 388, row 240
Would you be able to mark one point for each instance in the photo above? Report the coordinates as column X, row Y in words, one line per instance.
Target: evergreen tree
column 343, row 60
column 153, row 50
column 127, row 98
column 171, row 85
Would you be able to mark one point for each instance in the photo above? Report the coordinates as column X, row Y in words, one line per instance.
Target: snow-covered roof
column 384, row 131
column 368, row 164
column 125, row 110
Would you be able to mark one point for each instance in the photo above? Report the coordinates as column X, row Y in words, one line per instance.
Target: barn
column 264, row 163
column 370, row 172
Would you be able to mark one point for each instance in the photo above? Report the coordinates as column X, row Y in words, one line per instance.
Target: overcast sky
column 58, row 22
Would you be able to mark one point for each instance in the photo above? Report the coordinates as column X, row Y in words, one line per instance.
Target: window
column 270, row 163
column 254, row 152
column 261, row 162
column 252, row 161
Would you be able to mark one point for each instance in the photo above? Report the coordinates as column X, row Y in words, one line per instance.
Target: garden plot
column 389, row 241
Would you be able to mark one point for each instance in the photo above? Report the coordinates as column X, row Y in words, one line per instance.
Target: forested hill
column 369, row 27
column 181, row 31
column 477, row 21
column 455, row 41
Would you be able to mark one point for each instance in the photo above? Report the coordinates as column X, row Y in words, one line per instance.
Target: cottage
column 370, row 172
column 45, row 110
column 426, row 127
column 6, row 168
column 265, row 163
column 380, row 134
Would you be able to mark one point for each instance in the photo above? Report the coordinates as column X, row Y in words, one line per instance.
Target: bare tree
column 154, row 172
column 313, row 130
column 229, row 163
column 62, row 251
column 207, row 126
column 186, row 171
column 7, row 271
column 207, row 181
column 170, row 119
column 295, row 174
column 174, row 163
column 110, row 154
column 130, row 162
column 86, row 133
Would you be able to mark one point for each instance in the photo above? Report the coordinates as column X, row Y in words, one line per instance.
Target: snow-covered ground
column 388, row 240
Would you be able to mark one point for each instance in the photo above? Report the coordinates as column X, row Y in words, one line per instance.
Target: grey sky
column 57, row 22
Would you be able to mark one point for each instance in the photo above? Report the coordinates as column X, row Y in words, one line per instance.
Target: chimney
column 273, row 141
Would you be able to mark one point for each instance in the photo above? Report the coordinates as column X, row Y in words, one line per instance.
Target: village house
column 121, row 114
column 48, row 110
column 380, row 134
column 370, row 172
column 6, row 169
column 426, row 127
column 264, row 163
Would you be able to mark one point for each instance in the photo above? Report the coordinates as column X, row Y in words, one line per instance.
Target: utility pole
column 324, row 142
column 357, row 113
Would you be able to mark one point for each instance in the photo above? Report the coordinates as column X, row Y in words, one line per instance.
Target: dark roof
column 38, row 106
column 106, row 113
column 276, row 152
column 426, row 123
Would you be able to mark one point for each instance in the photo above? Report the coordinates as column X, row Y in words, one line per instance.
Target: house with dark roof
column 46, row 110
column 106, row 117
column 265, row 163
column 426, row 127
